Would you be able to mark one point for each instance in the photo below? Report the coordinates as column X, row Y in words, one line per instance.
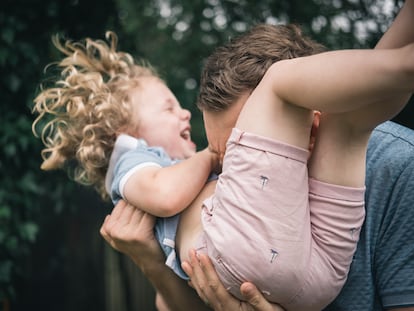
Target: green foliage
column 29, row 197
column 19, row 188
column 174, row 35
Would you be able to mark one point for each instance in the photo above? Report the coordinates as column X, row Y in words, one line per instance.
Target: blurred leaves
column 29, row 197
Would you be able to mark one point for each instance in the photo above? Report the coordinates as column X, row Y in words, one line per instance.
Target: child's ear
column 316, row 120
column 314, row 130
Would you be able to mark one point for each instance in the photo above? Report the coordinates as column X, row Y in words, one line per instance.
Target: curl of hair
column 86, row 106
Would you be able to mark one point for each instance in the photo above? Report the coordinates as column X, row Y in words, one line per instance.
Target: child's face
column 160, row 119
column 218, row 125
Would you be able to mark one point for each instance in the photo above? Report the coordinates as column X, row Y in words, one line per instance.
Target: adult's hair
column 85, row 106
column 237, row 67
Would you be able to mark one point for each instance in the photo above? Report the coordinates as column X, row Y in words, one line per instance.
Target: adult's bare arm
column 208, row 286
column 130, row 231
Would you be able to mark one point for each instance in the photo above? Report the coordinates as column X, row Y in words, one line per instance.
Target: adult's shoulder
column 388, row 226
column 391, row 141
column 394, row 130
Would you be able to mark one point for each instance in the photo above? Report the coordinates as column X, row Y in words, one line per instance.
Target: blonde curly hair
column 86, row 106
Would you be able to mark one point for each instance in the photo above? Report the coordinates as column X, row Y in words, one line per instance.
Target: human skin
column 213, row 289
column 373, row 92
column 201, row 270
column 130, row 231
column 153, row 103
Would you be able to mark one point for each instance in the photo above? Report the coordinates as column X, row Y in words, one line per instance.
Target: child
column 99, row 95
column 268, row 222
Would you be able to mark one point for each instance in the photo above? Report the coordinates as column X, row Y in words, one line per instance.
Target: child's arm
column 341, row 81
column 401, row 31
column 348, row 79
column 167, row 191
column 359, row 85
column 400, row 34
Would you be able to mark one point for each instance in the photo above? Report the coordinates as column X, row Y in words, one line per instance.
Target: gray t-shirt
column 382, row 272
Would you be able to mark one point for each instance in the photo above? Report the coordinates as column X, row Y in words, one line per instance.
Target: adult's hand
column 130, row 231
column 208, row 286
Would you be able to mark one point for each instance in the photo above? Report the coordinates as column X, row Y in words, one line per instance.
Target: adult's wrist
column 148, row 256
column 151, row 267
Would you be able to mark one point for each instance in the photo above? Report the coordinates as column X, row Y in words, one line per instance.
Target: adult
column 378, row 278
column 376, row 268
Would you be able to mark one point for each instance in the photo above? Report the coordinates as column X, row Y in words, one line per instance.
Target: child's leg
column 257, row 224
column 339, row 157
column 342, row 138
column 336, row 196
column 341, row 143
column 337, row 166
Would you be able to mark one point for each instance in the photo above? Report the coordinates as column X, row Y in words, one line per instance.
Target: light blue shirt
column 130, row 159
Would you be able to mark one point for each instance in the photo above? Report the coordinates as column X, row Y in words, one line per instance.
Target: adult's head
column 234, row 70
column 98, row 93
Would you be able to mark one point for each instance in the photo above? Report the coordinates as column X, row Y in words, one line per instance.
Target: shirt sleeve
column 394, row 263
column 128, row 164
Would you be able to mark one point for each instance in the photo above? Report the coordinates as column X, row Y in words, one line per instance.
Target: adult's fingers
column 139, row 218
column 216, row 295
column 103, row 230
column 125, row 214
column 256, row 299
column 206, row 282
column 106, row 233
column 194, row 271
column 116, row 224
column 118, row 209
column 208, row 285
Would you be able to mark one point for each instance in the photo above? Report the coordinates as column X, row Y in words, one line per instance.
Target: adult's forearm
column 175, row 291
column 130, row 231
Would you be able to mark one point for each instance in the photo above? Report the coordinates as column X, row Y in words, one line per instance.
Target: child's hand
column 216, row 160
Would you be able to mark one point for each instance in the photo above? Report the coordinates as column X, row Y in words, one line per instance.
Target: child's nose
column 186, row 114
